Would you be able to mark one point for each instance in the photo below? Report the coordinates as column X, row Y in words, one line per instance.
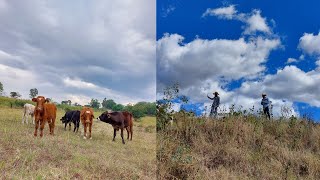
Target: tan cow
column 86, row 117
column 44, row 112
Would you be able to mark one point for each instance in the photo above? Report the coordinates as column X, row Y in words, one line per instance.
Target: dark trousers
column 214, row 111
column 266, row 111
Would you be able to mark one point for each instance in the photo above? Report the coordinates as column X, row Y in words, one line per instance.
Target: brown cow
column 118, row 120
column 86, row 116
column 44, row 112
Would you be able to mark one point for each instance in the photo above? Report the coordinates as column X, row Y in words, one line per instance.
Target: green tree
column 109, row 104
column 33, row 92
column 95, row 103
column 118, row 107
column 15, row 95
column 1, row 88
column 151, row 109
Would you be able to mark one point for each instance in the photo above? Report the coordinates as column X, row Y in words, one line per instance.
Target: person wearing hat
column 215, row 104
column 265, row 104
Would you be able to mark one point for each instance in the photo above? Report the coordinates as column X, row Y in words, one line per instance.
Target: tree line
column 138, row 110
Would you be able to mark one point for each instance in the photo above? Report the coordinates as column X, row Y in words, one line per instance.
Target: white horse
column 28, row 109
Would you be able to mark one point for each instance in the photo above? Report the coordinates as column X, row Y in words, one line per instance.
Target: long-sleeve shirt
column 216, row 101
column 265, row 102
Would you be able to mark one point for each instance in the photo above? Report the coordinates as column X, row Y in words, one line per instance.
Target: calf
column 86, row 116
column 44, row 112
column 118, row 120
column 28, row 109
column 71, row 117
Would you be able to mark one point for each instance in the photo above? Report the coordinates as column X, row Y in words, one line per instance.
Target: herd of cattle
column 44, row 111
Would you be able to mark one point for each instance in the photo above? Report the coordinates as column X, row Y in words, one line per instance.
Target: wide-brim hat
column 264, row 94
column 215, row 93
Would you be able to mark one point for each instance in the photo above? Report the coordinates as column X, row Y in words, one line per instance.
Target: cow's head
column 63, row 118
column 105, row 117
column 40, row 100
column 87, row 116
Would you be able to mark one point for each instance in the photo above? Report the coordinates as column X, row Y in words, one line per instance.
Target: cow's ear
column 92, row 115
column 34, row 99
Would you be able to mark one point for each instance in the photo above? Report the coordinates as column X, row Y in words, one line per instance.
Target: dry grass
column 239, row 148
column 68, row 156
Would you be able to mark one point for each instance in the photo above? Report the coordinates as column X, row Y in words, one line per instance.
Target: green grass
column 66, row 155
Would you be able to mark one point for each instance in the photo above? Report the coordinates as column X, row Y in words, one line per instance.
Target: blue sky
column 186, row 35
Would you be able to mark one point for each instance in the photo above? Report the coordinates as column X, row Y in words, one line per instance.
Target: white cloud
column 318, row 63
column 301, row 57
column 223, row 12
column 254, row 21
column 291, row 60
column 201, row 60
column 290, row 83
column 310, row 44
column 78, row 83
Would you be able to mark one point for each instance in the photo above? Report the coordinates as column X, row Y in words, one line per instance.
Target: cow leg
column 131, row 133
column 65, row 126
column 42, row 127
column 122, row 136
column 52, row 126
column 36, row 128
column 90, row 125
column 127, row 128
column 114, row 134
column 26, row 119
column 69, row 126
column 32, row 118
column 77, row 126
column 85, row 131
column 23, row 117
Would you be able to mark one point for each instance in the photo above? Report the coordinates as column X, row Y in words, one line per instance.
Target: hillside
column 68, row 156
column 239, row 148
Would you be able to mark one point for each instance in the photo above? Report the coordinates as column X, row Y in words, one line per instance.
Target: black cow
column 71, row 117
column 118, row 120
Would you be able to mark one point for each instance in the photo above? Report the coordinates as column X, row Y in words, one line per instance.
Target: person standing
column 215, row 104
column 265, row 104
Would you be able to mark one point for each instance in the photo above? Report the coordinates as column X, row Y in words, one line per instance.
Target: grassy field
column 68, row 156
column 239, row 148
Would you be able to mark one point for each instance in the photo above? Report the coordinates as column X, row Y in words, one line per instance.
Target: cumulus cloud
column 303, row 85
column 222, row 12
column 201, row 59
column 254, row 21
column 291, row 60
column 110, row 44
column 310, row 44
